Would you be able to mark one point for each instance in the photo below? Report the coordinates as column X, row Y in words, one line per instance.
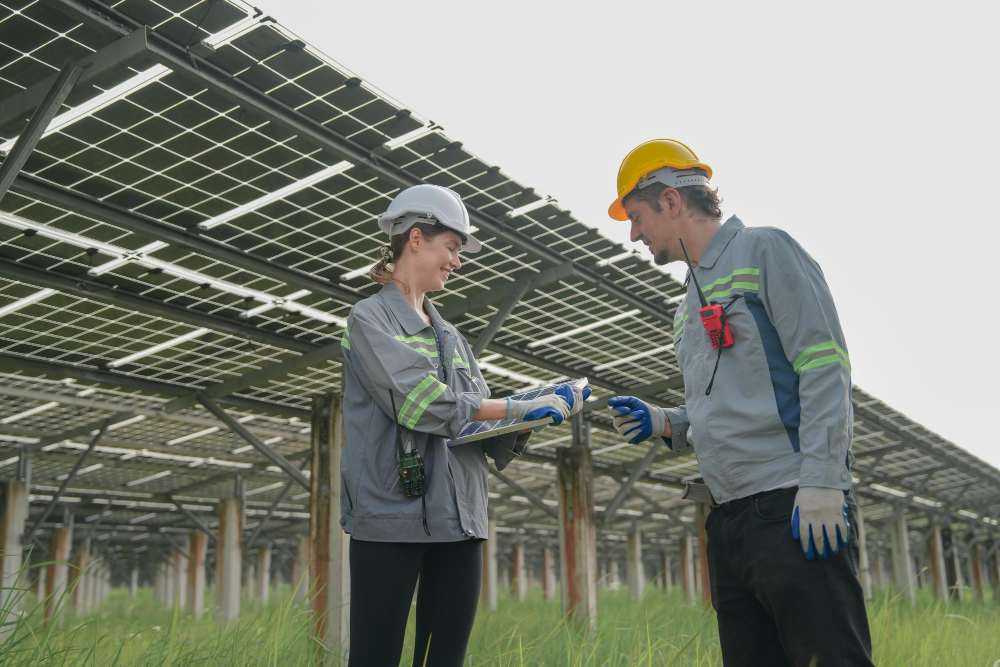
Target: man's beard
column 661, row 258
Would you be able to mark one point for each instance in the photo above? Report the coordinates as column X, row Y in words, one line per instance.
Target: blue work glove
column 637, row 419
column 819, row 521
column 574, row 396
column 565, row 401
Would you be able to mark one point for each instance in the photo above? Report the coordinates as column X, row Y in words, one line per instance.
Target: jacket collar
column 406, row 315
column 710, row 255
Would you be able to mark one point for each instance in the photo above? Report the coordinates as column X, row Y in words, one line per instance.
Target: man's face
column 656, row 229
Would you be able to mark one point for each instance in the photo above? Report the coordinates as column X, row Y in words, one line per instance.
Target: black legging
column 383, row 575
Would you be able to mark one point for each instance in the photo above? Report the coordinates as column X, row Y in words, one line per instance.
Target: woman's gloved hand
column 819, row 521
column 552, row 405
column 575, row 396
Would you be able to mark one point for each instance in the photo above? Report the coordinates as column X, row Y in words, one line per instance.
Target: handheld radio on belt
column 713, row 316
column 410, row 466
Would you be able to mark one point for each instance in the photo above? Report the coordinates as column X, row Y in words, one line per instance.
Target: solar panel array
column 204, row 211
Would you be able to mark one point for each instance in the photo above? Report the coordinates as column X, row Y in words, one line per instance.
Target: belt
column 740, row 503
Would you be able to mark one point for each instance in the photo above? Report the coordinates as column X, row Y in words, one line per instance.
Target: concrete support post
column 197, row 544
column 488, row 597
column 228, row 560
column 170, row 571
column 330, row 564
column 577, row 532
column 14, row 501
column 634, row 570
column 518, row 574
column 687, row 567
column 300, row 569
column 263, row 574
column 667, row 580
column 42, row 582
column 133, row 583
column 180, row 592
column 952, row 564
column 902, row 563
column 548, row 574
column 614, row 576
column 978, row 573
column 79, row 579
column 701, row 515
column 864, row 564
column 250, row 580
column 935, row 564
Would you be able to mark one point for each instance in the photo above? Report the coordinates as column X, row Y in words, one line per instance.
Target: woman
column 410, row 385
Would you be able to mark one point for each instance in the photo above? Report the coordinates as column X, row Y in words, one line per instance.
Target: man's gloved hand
column 819, row 521
column 636, row 419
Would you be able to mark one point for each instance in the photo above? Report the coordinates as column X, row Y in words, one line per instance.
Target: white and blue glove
column 567, row 400
column 637, row 419
column 819, row 521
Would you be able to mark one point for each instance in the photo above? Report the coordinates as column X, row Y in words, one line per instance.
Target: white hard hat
column 429, row 204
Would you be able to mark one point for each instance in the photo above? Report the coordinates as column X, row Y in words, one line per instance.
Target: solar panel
column 487, row 429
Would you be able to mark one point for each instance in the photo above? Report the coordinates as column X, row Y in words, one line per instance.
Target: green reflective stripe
column 416, row 339
column 425, row 351
column 459, row 360
column 808, row 353
column 677, row 332
column 438, row 390
column 750, row 271
column 345, row 340
column 737, row 285
column 679, row 322
column 412, row 397
column 823, row 361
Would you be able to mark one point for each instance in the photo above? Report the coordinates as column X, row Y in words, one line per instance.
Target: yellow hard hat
column 648, row 157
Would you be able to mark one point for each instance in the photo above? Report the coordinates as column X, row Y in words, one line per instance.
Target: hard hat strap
column 673, row 178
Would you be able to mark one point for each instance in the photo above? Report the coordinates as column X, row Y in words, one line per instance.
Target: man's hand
column 636, row 419
column 819, row 521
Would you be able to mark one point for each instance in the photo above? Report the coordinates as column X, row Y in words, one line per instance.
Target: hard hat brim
column 471, row 245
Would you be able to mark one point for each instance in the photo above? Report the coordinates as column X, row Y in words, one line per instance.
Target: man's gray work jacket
column 780, row 406
column 392, row 357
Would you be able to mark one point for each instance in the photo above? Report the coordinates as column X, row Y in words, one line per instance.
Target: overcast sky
column 868, row 131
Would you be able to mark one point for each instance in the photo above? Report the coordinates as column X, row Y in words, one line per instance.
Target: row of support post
column 320, row 570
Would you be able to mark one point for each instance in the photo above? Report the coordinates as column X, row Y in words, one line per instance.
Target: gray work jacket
column 780, row 407
column 391, row 356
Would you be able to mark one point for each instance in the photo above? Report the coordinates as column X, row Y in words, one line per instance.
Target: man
column 769, row 417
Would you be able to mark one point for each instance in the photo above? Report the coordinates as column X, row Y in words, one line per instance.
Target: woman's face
column 435, row 258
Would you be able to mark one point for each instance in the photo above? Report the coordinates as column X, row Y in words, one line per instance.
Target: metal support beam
column 532, row 497
column 258, row 444
column 223, row 83
column 106, row 294
column 58, row 371
column 637, row 471
column 39, row 122
column 193, row 518
column 29, row 536
column 270, row 511
column 119, row 53
column 486, row 337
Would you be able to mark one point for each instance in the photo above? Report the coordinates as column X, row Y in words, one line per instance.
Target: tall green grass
column 661, row 630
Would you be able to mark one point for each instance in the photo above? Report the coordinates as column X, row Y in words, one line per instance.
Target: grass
column 662, row 630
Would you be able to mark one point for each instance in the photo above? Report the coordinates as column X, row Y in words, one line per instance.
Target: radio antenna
column 701, row 296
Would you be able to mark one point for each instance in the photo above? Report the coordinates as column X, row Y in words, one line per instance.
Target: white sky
column 868, row 131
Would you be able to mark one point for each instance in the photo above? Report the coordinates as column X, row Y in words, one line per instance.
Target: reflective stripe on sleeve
column 821, row 355
column 418, row 400
column 345, row 340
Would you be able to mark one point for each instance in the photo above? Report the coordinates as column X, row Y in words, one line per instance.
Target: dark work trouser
column 383, row 575
column 774, row 606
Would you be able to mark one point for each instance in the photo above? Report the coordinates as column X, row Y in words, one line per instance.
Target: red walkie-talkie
column 713, row 317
